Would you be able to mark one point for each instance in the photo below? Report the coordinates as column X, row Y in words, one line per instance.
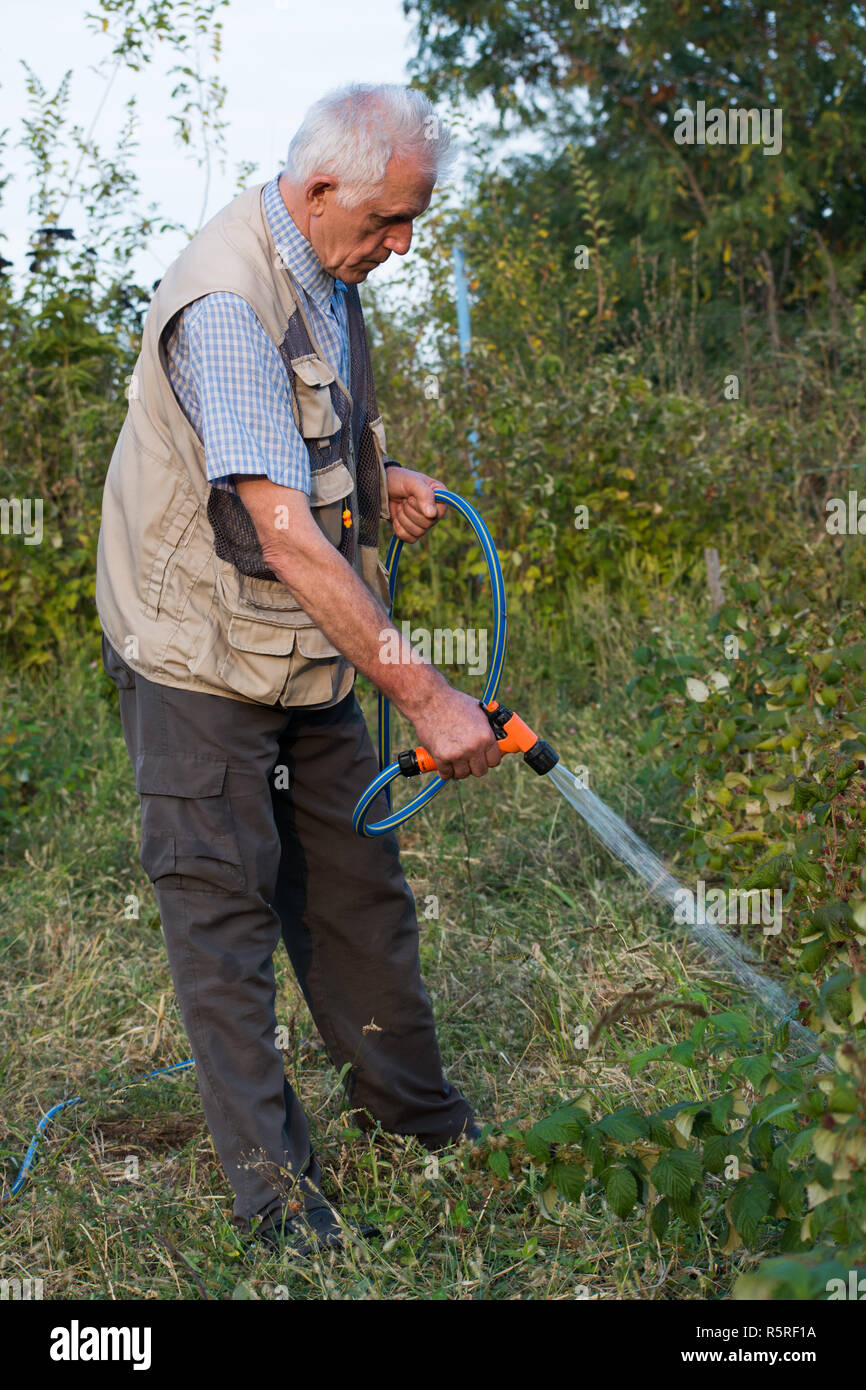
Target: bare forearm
column 330, row 591
column 448, row 722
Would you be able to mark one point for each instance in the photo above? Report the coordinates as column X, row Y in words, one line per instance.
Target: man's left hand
column 412, row 504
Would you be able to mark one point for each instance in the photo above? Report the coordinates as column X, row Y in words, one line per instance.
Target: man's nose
column 399, row 240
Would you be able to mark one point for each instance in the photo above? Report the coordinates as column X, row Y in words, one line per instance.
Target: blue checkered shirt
column 230, row 378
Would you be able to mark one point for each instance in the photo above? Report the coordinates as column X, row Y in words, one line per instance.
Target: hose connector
column 413, row 761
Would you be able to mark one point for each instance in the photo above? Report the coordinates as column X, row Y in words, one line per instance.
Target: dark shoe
column 310, row 1231
column 434, row 1142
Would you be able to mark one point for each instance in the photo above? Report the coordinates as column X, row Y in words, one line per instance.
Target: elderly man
column 239, row 589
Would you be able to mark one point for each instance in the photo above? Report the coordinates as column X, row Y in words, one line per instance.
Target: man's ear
column 315, row 191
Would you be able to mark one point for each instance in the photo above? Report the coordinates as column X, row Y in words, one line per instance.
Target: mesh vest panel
column 235, row 535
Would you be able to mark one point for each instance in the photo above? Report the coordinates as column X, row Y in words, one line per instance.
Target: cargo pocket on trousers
column 188, row 834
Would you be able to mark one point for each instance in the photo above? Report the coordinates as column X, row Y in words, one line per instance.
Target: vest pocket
column 330, row 484
column 312, row 642
column 319, row 419
column 256, row 663
column 176, row 534
column 265, row 659
column 377, row 430
column 329, row 488
column 317, row 669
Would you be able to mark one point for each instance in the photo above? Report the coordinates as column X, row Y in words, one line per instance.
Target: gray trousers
column 237, row 859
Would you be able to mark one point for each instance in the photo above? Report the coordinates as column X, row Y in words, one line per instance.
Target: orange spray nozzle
column 513, row 735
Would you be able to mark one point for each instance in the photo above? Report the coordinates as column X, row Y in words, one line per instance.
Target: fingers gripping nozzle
column 512, row 735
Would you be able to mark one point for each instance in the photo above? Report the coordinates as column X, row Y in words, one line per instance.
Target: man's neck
column 300, row 218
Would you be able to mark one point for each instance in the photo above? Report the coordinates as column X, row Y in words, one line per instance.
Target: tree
column 615, row 77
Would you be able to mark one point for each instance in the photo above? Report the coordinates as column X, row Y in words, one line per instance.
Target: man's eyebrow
column 397, row 216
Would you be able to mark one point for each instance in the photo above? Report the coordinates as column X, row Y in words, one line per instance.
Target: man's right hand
column 457, row 734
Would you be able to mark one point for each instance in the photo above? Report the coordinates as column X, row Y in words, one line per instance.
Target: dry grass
column 537, row 933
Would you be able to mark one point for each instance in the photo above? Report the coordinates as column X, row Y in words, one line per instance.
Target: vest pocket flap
column 312, row 370
column 319, row 419
column 179, row 774
column 265, row 639
column 313, row 643
column 330, row 484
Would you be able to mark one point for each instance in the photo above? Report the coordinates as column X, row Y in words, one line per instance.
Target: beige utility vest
column 182, row 589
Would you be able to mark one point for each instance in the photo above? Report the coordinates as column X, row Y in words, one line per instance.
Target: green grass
column 537, row 933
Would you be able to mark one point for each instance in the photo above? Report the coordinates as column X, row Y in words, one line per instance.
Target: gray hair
column 352, row 132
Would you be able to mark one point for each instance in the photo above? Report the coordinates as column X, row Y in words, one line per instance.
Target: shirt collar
column 296, row 252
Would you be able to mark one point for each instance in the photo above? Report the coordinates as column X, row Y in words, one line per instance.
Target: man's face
column 350, row 242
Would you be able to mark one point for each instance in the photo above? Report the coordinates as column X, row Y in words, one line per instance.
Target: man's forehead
column 406, row 192
column 399, row 206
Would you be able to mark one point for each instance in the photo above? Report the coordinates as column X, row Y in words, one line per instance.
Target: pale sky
column 278, row 57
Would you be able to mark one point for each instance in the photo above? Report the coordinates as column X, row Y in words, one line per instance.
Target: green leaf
column 812, row 956
column 687, row 1209
column 620, row 1188
column 674, row 1173
column 854, row 657
column 835, row 913
column 807, row 870
column 535, row 1147
column 721, row 1109
column 569, row 1180
column 732, row 1022
column 761, row 1141
column 750, row 1204
column 498, row 1162
column 659, row 1218
column 781, row 1035
column 768, row 874
column 755, row 1069
column 651, row 736
column 623, row 1125
column 670, row 1112
column 717, row 1147
column 562, row 1127
column 791, row 1194
column 640, row 1059
column 768, row 1111
column 594, row 1149
column 658, row 1132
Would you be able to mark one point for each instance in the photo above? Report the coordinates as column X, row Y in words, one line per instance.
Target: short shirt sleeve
column 246, row 421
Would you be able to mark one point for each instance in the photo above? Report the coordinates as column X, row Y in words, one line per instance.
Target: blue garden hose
column 62, row 1105
column 390, row 771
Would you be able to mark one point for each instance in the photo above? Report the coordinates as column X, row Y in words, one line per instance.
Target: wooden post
column 714, row 577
